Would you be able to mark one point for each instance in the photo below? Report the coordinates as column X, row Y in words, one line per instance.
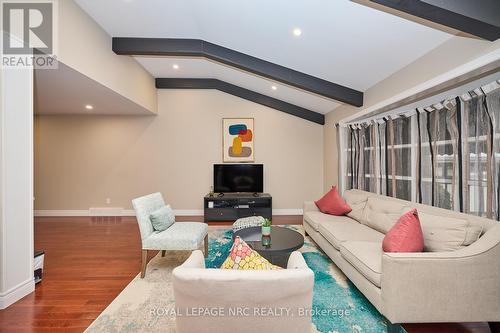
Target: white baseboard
column 125, row 212
column 291, row 211
column 56, row 213
column 16, row 293
column 177, row 212
column 130, row 212
column 105, row 211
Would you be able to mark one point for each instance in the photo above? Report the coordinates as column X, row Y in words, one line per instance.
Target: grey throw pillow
column 162, row 218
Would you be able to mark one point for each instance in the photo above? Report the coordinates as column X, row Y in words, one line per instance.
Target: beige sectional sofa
column 456, row 279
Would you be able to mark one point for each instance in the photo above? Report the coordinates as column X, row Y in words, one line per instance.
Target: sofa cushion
column 406, row 235
column 381, row 213
column 316, row 218
column 366, row 257
column 446, row 233
column 179, row 236
column 332, row 203
column 357, row 201
column 349, row 230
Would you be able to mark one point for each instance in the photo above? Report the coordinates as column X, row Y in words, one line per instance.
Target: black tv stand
column 232, row 206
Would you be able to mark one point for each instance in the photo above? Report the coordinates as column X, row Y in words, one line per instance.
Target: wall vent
column 106, row 211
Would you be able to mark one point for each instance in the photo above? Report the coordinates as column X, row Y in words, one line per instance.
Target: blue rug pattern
column 349, row 311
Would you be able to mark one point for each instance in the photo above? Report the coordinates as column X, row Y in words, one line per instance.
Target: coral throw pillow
column 406, row 235
column 242, row 256
column 332, row 203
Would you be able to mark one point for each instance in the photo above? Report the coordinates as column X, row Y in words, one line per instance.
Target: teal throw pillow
column 162, row 218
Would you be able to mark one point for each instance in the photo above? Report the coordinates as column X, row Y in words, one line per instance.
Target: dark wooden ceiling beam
column 182, row 83
column 200, row 48
column 452, row 13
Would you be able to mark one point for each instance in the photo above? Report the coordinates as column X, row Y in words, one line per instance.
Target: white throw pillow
column 383, row 213
column 357, row 201
column 443, row 234
column 162, row 218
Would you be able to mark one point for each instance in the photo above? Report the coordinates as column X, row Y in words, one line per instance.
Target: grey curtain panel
column 437, row 172
column 339, row 150
column 445, row 155
column 492, row 92
column 379, row 157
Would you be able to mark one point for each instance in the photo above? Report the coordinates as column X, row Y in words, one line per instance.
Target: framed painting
column 237, row 140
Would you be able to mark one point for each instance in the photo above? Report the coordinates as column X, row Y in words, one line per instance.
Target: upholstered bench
column 247, row 222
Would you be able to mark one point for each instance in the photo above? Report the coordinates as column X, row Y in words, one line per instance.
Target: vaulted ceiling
column 341, row 41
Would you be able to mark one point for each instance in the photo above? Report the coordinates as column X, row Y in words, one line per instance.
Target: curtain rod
column 482, row 89
column 472, row 70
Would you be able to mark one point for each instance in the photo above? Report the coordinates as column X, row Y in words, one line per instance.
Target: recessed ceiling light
column 89, row 107
column 297, row 32
column 175, row 66
column 274, row 88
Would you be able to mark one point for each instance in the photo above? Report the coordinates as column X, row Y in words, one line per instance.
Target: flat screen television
column 232, row 178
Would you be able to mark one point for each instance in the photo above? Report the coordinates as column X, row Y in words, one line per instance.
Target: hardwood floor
column 88, row 261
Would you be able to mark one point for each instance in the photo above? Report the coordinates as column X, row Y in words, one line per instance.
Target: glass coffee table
column 275, row 248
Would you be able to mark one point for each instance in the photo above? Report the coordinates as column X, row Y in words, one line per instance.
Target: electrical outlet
column 108, row 201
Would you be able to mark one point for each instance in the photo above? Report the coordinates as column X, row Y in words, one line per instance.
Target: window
column 446, row 155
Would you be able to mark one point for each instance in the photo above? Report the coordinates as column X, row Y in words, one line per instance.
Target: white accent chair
column 250, row 291
column 181, row 236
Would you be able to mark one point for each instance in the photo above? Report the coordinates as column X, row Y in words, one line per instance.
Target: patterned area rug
column 147, row 305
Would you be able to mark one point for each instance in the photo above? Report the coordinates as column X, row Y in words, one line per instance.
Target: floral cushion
column 242, row 256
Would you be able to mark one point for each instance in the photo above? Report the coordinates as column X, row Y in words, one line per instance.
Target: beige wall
column 451, row 54
column 82, row 160
column 87, row 48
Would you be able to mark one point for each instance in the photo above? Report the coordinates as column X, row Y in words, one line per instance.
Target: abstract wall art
column 237, row 140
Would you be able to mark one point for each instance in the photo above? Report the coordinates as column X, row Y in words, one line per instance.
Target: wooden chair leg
column 206, row 246
column 494, row 326
column 163, row 253
column 144, row 263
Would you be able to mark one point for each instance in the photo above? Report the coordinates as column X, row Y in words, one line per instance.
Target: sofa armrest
column 296, row 261
column 457, row 286
column 195, row 260
column 310, row 206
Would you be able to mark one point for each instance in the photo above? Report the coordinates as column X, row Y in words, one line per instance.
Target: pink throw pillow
column 406, row 235
column 332, row 203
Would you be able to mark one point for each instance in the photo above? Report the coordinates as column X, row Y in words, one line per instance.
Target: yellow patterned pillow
column 242, row 256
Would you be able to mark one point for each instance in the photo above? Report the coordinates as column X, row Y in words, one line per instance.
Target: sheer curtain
column 437, row 174
column 492, row 99
column 378, row 157
column 446, row 154
column 477, row 155
column 398, row 167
